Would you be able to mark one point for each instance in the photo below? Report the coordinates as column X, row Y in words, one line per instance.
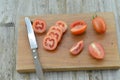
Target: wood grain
column 53, row 61
column 11, row 10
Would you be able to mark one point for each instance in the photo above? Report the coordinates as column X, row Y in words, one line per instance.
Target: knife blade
column 33, row 46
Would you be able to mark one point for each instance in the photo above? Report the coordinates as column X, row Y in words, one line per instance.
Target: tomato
column 55, row 33
column 49, row 43
column 39, row 26
column 62, row 24
column 77, row 48
column 55, row 28
column 99, row 24
column 78, row 27
column 96, row 50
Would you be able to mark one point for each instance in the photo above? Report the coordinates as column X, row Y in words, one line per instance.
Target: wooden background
column 11, row 10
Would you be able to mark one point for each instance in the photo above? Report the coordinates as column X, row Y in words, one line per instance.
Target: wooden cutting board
column 60, row 59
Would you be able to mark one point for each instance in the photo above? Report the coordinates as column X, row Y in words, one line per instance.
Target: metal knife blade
column 33, row 45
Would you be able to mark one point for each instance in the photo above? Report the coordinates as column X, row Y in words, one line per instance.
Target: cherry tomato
column 99, row 24
column 78, row 27
column 96, row 50
column 39, row 26
column 62, row 24
column 55, row 33
column 77, row 48
column 49, row 43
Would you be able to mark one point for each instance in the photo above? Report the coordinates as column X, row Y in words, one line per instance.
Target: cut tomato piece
column 77, row 48
column 55, row 33
column 39, row 26
column 49, row 43
column 78, row 27
column 62, row 24
column 96, row 50
column 99, row 24
column 55, row 28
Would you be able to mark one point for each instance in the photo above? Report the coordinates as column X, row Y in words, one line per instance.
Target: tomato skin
column 78, row 27
column 62, row 25
column 39, row 26
column 96, row 50
column 99, row 25
column 49, row 43
column 77, row 48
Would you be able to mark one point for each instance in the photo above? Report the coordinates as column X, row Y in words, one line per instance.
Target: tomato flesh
column 55, row 33
column 62, row 25
column 96, row 50
column 77, row 48
column 99, row 25
column 55, row 28
column 39, row 26
column 78, row 27
column 49, row 43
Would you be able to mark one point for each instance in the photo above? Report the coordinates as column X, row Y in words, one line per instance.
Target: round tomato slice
column 55, row 33
column 96, row 50
column 55, row 28
column 49, row 43
column 78, row 27
column 99, row 24
column 39, row 26
column 62, row 24
column 77, row 48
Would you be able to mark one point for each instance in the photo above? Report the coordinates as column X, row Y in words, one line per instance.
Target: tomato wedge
column 77, row 48
column 62, row 24
column 39, row 26
column 99, row 24
column 96, row 50
column 55, row 33
column 49, row 43
column 78, row 27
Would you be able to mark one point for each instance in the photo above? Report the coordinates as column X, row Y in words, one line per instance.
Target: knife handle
column 38, row 66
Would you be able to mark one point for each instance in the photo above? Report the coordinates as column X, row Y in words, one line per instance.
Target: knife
column 33, row 45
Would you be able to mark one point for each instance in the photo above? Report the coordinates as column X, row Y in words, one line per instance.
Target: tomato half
column 77, row 48
column 49, row 43
column 55, row 33
column 39, row 26
column 96, row 50
column 99, row 24
column 78, row 27
column 62, row 24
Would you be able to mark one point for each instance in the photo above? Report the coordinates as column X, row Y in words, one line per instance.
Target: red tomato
column 55, row 28
column 55, row 33
column 96, row 50
column 78, row 27
column 49, row 43
column 77, row 48
column 39, row 26
column 99, row 24
column 62, row 24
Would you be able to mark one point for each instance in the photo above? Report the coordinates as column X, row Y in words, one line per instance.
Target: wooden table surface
column 11, row 10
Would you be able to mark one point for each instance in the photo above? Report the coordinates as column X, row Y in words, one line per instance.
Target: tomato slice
column 78, row 27
column 39, row 26
column 96, row 50
column 55, row 28
column 99, row 24
column 49, row 43
column 77, row 48
column 55, row 33
column 62, row 24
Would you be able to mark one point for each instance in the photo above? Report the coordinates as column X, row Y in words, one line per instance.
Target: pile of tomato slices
column 54, row 35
